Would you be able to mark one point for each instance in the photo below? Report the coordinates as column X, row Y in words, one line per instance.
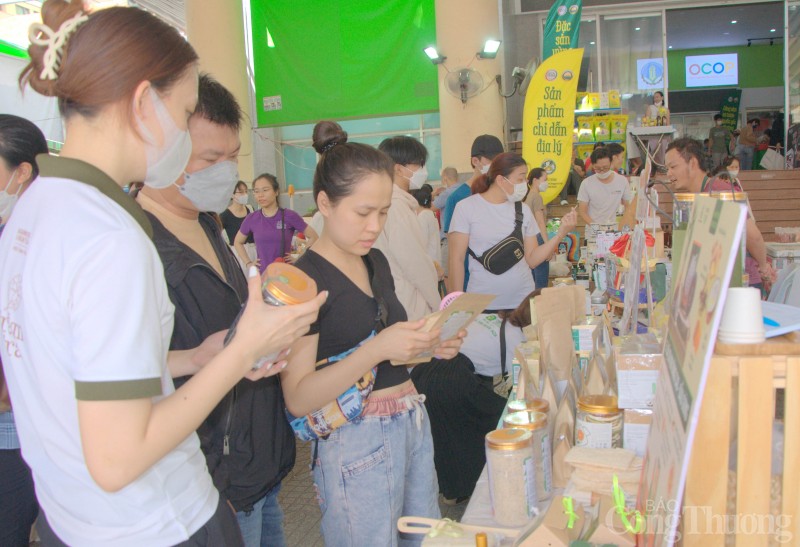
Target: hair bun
column 328, row 134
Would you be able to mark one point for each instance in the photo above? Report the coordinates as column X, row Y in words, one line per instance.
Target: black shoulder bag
column 502, row 383
column 503, row 255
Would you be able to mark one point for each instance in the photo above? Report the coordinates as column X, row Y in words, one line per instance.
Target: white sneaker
column 564, row 202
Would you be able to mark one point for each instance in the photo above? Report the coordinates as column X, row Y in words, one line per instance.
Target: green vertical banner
column 562, row 27
column 729, row 109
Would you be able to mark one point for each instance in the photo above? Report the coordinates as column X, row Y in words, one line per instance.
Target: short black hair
column 20, row 142
column 717, row 117
column 600, row 153
column 216, row 104
column 614, row 148
column 404, row 150
column 688, row 148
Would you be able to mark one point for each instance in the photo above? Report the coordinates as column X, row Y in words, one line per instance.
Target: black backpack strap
column 503, row 345
column 471, row 253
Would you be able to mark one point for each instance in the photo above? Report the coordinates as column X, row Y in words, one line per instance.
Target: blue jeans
column 264, row 524
column 541, row 273
column 745, row 155
column 370, row 473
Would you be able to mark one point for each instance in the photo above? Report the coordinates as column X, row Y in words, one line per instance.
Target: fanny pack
column 350, row 405
column 503, row 255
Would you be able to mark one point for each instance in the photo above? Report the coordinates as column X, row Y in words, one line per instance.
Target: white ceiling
column 171, row 11
column 712, row 27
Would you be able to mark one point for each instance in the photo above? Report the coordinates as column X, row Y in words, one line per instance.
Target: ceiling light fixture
column 638, row 28
column 591, row 43
column 734, row 22
column 772, row 30
column 489, row 50
column 434, row 55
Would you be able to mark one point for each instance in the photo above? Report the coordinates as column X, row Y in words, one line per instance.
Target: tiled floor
column 300, row 504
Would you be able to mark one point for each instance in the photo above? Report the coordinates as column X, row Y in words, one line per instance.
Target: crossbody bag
column 503, row 255
column 350, row 405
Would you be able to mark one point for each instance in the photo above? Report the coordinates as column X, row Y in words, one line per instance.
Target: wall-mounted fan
column 464, row 83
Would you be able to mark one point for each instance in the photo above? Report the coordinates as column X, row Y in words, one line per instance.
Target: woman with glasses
column 370, row 471
column 272, row 226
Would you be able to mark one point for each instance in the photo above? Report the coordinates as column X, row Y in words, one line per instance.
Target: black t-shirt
column 231, row 224
column 349, row 315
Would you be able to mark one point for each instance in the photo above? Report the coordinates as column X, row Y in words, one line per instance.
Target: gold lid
column 684, row 196
column 526, row 419
column 539, row 405
column 598, row 404
column 288, row 284
column 509, row 439
column 724, row 195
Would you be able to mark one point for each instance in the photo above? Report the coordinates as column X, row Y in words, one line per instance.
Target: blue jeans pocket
column 364, row 464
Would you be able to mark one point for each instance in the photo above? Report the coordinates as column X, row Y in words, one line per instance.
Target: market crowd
column 131, row 415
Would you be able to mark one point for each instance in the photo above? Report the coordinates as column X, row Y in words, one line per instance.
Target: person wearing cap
column 484, row 149
column 686, row 173
column 601, row 194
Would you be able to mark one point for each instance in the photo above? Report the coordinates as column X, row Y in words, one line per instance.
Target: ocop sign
column 712, row 70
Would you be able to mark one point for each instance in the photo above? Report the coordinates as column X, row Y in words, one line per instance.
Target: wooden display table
column 739, row 407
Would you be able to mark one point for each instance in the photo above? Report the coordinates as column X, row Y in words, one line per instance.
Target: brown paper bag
column 595, row 383
column 561, row 447
column 565, row 416
column 551, row 529
column 609, row 527
column 555, row 334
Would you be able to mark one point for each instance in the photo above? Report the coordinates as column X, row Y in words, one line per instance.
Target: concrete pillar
column 215, row 29
column 462, row 26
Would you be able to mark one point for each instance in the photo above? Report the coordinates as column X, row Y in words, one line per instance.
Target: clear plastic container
column 536, row 423
column 598, row 422
column 512, row 476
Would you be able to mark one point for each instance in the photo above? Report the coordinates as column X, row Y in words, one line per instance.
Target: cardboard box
column 635, row 428
column 638, row 359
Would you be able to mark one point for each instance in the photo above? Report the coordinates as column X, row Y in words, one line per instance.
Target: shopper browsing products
column 111, row 443
column 369, row 472
column 602, row 194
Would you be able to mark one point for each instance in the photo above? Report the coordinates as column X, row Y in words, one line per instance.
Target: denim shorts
column 370, row 473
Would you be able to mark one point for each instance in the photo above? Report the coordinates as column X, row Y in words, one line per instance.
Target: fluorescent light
column 638, row 28
column 489, row 50
column 591, row 43
column 734, row 22
column 772, row 30
column 434, row 55
column 670, row 47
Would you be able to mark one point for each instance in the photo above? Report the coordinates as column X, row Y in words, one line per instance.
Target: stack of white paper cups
column 742, row 319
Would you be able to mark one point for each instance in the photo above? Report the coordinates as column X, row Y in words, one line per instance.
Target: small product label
column 634, row 438
column 592, row 435
column 637, row 388
column 272, row 103
column 546, row 465
column 529, row 469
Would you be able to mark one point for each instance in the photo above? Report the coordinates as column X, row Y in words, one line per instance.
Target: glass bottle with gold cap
column 512, row 475
column 598, row 422
column 536, row 423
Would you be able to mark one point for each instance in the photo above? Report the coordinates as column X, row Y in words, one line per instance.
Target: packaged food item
column 614, row 98
column 585, row 128
column 602, row 131
column 537, row 424
column 594, row 101
column 638, row 358
column 512, row 476
column 598, row 423
column 585, row 335
column 635, row 429
column 619, row 127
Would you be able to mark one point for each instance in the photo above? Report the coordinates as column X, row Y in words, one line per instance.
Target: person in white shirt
column 111, row 443
column 487, row 217
column 601, row 194
column 415, row 274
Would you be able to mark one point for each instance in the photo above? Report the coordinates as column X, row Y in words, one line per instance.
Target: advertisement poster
column 650, row 74
column 562, row 27
column 698, row 296
column 549, row 116
column 729, row 109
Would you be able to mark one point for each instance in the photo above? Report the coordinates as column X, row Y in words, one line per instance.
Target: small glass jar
column 536, row 423
column 535, row 404
column 281, row 285
column 682, row 209
column 598, row 422
column 512, row 476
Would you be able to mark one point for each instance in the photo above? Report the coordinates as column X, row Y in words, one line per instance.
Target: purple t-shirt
column 267, row 233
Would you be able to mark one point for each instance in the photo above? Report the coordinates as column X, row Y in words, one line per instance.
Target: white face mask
column 543, row 186
column 485, row 169
column 417, row 178
column 733, row 172
column 165, row 163
column 658, row 103
column 519, row 191
column 209, row 189
column 242, row 200
column 7, row 201
column 606, row 175
column 719, row 122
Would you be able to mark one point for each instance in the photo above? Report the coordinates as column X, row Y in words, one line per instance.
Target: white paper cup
column 742, row 320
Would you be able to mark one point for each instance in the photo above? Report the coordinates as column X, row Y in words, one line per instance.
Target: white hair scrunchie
column 55, row 41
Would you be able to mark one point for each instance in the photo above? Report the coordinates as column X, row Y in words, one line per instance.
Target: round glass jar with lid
column 536, row 423
column 536, row 404
column 598, row 422
column 512, row 475
column 682, row 209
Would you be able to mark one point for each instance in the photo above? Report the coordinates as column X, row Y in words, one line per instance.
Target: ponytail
column 481, row 184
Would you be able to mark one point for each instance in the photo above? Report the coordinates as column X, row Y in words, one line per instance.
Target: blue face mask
column 210, row 189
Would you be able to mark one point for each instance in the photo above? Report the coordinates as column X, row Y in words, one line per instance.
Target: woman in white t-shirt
column 111, row 443
column 487, row 217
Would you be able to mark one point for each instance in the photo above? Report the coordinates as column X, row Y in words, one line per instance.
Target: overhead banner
column 729, row 108
column 549, row 116
column 562, row 27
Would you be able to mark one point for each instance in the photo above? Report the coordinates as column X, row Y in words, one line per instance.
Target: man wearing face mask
column 248, row 444
column 719, row 139
column 416, row 275
column 601, row 194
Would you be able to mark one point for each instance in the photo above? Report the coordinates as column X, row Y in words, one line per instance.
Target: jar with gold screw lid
column 536, row 423
column 512, row 476
column 598, row 422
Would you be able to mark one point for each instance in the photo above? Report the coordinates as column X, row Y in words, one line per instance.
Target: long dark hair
column 342, row 164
